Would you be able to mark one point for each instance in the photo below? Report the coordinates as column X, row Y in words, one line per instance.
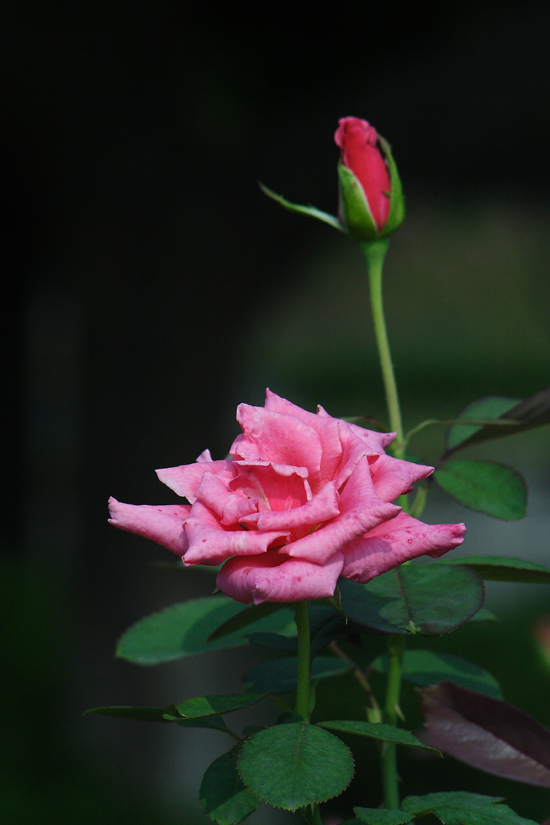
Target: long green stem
column 374, row 253
column 302, row 690
column 390, row 778
column 311, row 813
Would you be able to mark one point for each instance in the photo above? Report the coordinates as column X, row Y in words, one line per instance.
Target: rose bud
column 371, row 202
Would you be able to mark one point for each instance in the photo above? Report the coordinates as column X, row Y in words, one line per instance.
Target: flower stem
column 302, row 690
column 374, row 253
column 390, row 778
column 310, row 813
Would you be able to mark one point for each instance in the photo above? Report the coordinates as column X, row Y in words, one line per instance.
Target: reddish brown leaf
column 487, row 733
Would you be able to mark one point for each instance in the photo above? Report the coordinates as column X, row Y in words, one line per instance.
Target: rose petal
column 396, row 541
column 280, row 486
column 322, row 507
column 163, row 524
column 325, row 426
column 271, row 578
column 360, row 152
column 360, row 511
column 283, row 439
column 393, row 477
column 357, row 443
column 375, row 441
column 230, row 506
column 211, row 543
column 184, row 480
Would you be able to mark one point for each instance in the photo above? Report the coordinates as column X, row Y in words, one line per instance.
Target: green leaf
column 490, row 407
column 168, row 714
column 217, row 705
column 245, row 617
column 425, row 667
column 378, row 816
column 273, row 640
column 485, row 486
column 303, row 210
column 183, row 630
column 369, row 610
column 223, row 795
column 484, row 615
column 431, row 599
column 208, row 722
column 290, row 766
column 377, row 730
column 281, row 675
column 504, row 569
column 525, row 415
column 462, row 808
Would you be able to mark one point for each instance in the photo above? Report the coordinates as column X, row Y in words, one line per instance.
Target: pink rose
column 360, row 152
column 303, row 499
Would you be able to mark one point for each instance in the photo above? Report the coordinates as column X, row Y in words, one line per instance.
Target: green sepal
column 397, row 200
column 354, row 207
column 301, row 209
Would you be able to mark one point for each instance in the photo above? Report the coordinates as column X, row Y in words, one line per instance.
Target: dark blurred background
column 149, row 287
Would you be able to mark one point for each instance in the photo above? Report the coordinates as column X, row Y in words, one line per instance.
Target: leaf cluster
column 295, row 764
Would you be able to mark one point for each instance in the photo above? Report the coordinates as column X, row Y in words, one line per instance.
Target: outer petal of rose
column 163, row 524
column 376, row 442
column 283, row 439
column 230, row 506
column 393, row 477
column 184, row 480
column 357, row 443
column 257, row 579
column 395, row 542
column 360, row 511
column 321, row 508
column 325, row 426
column 210, row 543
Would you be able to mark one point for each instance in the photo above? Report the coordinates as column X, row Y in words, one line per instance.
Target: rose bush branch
column 390, row 778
